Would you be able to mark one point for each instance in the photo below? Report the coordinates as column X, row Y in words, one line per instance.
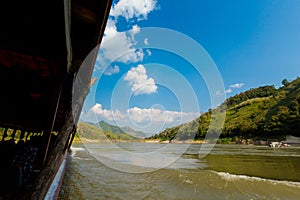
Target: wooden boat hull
column 42, row 47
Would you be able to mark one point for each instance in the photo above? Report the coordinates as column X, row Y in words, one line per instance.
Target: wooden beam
column 84, row 13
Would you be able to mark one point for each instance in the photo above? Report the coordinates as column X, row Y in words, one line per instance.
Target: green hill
column 110, row 128
column 131, row 131
column 260, row 113
column 120, row 130
column 107, row 131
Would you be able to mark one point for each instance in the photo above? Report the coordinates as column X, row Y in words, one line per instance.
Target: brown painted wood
column 84, row 13
column 33, row 56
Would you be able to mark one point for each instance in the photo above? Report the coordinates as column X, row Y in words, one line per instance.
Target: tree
column 285, row 82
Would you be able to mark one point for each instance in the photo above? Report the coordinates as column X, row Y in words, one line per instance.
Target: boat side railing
column 21, row 158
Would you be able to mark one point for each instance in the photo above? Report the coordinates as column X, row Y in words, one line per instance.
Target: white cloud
column 135, row 30
column 149, row 52
column 102, row 114
column 149, row 120
column 237, row 85
column 120, row 46
column 112, row 70
column 139, row 81
column 130, row 9
column 110, row 29
column 231, row 88
column 228, row 91
column 146, row 42
column 142, row 115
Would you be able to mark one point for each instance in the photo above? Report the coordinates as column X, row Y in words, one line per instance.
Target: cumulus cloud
column 129, row 9
column 228, row 91
column 146, row 42
column 103, row 114
column 151, row 120
column 110, row 29
column 149, row 52
column 231, row 88
column 139, row 81
column 120, row 46
column 154, row 115
column 135, row 30
column 237, row 85
column 112, row 70
column 157, row 115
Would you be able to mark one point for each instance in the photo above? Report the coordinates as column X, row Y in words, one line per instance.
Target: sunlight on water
column 228, row 172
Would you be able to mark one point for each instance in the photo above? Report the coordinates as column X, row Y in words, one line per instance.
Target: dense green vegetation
column 107, row 131
column 110, row 128
column 260, row 113
column 120, row 130
column 131, row 131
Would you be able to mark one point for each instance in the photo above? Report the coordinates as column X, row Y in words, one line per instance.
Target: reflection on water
column 137, row 157
column 257, row 161
column 228, row 172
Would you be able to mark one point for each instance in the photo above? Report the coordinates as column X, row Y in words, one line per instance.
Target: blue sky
column 251, row 42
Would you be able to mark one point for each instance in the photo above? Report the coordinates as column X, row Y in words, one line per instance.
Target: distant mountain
column 89, row 131
column 116, row 129
column 108, row 127
column 93, row 132
column 133, row 132
column 260, row 113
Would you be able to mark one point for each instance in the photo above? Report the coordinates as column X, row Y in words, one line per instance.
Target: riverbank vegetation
column 263, row 113
column 101, row 132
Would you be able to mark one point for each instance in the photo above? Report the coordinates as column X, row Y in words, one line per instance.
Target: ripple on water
column 87, row 178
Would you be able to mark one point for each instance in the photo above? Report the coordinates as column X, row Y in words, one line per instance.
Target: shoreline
column 103, row 141
column 176, row 142
column 249, row 142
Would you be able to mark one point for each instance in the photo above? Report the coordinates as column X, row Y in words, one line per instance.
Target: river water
column 102, row 171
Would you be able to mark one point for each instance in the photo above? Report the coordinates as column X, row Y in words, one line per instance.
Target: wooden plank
column 84, row 13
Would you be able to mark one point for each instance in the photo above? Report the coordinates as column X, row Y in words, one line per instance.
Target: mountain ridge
column 95, row 132
column 260, row 113
column 103, row 130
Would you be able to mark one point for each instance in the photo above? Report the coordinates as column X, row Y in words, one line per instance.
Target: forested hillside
column 107, row 131
column 260, row 113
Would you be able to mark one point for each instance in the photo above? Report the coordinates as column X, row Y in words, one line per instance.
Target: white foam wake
column 78, row 149
column 228, row 176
